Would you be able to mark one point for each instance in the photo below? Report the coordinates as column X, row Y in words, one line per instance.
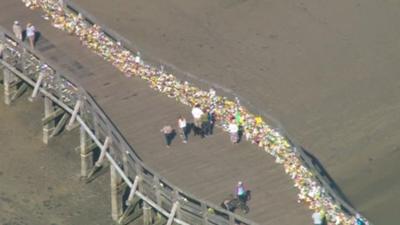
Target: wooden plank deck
column 208, row 168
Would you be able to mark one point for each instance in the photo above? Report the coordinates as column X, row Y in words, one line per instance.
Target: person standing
column 240, row 192
column 17, row 29
column 31, row 34
column 317, row 218
column 205, row 124
column 359, row 220
column 211, row 121
column 168, row 132
column 233, row 131
column 183, row 128
column 197, row 113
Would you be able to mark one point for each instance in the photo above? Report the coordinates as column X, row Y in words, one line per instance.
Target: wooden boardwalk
column 209, row 168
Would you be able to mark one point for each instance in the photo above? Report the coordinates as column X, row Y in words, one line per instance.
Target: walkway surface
column 208, row 168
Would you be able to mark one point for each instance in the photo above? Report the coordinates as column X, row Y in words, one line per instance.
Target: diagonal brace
column 71, row 122
column 173, row 212
column 99, row 162
column 133, row 190
column 104, row 148
column 60, row 125
column 20, row 91
column 52, row 116
column 36, row 88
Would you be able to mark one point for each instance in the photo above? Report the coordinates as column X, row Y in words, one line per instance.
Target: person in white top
column 17, row 29
column 31, row 34
column 317, row 218
column 234, row 131
column 197, row 113
column 183, row 128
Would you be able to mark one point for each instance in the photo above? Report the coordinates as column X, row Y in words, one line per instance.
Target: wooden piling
column 8, row 81
column 116, row 196
column 7, row 89
column 86, row 153
column 48, row 127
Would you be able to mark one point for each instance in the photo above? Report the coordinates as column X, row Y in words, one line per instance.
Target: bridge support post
column 86, row 153
column 7, row 87
column 147, row 214
column 48, row 127
column 116, row 196
column 9, row 81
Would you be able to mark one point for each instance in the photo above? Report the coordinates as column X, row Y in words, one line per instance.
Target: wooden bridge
column 184, row 184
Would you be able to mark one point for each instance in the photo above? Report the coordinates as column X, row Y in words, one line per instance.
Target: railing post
column 86, row 153
column 116, row 198
column 178, row 210
column 96, row 124
column 125, row 160
column 157, row 188
column 232, row 220
column 147, row 214
column 48, row 127
column 205, row 213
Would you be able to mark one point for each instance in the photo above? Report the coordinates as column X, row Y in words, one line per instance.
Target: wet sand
column 328, row 71
column 39, row 184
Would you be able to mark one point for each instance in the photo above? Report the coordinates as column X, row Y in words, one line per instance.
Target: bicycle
column 233, row 203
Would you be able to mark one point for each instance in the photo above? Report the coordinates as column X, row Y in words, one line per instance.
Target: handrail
column 114, row 133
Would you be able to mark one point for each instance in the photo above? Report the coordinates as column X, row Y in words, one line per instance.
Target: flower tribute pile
column 255, row 129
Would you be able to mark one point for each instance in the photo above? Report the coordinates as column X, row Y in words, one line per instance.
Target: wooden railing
column 23, row 66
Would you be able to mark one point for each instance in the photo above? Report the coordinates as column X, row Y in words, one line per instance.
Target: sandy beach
column 328, row 71
column 40, row 184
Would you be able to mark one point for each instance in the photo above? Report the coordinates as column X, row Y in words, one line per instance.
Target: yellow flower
column 258, row 120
